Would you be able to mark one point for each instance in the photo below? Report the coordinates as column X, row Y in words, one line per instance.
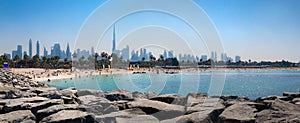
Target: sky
column 253, row 29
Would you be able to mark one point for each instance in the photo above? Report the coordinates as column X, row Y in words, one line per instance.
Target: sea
column 250, row 83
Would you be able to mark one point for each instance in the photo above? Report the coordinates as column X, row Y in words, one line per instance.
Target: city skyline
column 254, row 30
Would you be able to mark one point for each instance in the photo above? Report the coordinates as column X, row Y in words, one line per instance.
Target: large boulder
column 119, row 94
column 97, row 105
column 84, row 92
column 238, row 113
column 69, row 116
column 280, row 111
column 195, row 98
column 17, row 117
column 138, row 119
column 204, row 116
column 170, row 99
column 54, row 109
column 16, row 104
column 291, row 94
column 34, row 107
column 158, row 109
column 207, row 104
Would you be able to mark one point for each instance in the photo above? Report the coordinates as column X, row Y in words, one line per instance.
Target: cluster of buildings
column 55, row 51
column 124, row 53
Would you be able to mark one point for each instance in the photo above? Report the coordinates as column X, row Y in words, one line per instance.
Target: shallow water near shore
column 251, row 83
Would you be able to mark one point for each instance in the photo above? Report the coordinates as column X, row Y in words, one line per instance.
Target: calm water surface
column 251, row 83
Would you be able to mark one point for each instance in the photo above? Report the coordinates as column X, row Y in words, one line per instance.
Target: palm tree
column 26, row 58
column 16, row 60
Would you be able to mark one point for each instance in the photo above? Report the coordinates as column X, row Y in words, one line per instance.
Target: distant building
column 45, row 52
column 38, row 48
column 55, row 50
column 68, row 54
column 114, row 40
column 214, row 56
column 92, row 51
column 125, row 53
column 237, row 58
column 204, row 57
column 165, row 54
column 30, row 48
column 224, row 57
column 8, row 56
column 24, row 53
column 170, row 54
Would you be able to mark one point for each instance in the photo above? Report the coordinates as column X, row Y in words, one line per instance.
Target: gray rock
column 85, row 92
column 39, row 90
column 238, row 113
column 53, row 94
column 150, row 94
column 158, row 109
column 280, row 111
column 119, row 94
column 170, row 99
column 204, row 116
column 295, row 100
column 228, row 97
column 54, row 109
column 34, row 107
column 17, row 117
column 195, row 98
column 69, row 116
column 111, row 117
column 97, row 105
column 138, row 95
column 16, row 104
column 291, row 94
column 208, row 104
column 138, row 119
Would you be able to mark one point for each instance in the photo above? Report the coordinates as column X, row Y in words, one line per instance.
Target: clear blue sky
column 253, row 29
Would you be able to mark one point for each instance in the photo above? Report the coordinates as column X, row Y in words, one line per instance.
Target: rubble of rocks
column 25, row 100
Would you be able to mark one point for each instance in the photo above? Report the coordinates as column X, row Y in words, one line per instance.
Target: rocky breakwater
column 24, row 100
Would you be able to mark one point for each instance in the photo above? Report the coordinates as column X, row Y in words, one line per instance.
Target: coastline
column 43, row 75
column 25, row 100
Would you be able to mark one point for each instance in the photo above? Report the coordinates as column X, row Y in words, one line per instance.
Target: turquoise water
column 251, row 83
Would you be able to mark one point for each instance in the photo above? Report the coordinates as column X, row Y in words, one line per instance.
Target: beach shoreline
column 43, row 75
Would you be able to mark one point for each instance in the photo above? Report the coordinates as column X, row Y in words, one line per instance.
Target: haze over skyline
column 254, row 29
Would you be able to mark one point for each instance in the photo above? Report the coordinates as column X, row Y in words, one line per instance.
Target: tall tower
column 38, row 48
column 68, row 52
column 30, row 48
column 114, row 40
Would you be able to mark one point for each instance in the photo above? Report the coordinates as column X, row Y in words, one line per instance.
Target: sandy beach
column 39, row 74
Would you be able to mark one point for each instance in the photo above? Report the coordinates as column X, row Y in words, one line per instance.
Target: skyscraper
column 55, row 51
column 19, row 51
column 114, row 40
column 38, row 48
column 45, row 52
column 92, row 51
column 30, row 48
column 165, row 54
column 237, row 58
column 68, row 52
column 204, row 57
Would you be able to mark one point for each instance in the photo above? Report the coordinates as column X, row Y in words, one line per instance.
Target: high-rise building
column 92, row 51
column 204, row 57
column 30, row 48
column 55, row 51
column 8, row 56
column 114, row 40
column 224, row 57
column 214, row 56
column 237, row 58
column 38, row 48
column 165, row 54
column 170, row 54
column 19, row 51
column 45, row 52
column 125, row 53
column 68, row 52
